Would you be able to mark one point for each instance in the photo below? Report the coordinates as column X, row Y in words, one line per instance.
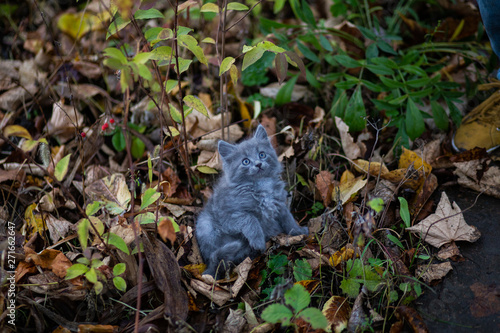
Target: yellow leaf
column 409, row 157
column 16, row 130
column 348, row 190
column 34, row 220
column 78, row 24
column 375, row 167
column 206, row 169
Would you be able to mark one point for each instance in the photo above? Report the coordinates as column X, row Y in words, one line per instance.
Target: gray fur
column 248, row 205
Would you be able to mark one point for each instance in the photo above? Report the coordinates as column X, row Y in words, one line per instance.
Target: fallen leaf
column 337, row 312
column 351, row 149
column 113, row 190
column 58, row 227
column 433, row 272
column 324, row 184
column 489, row 183
column 447, row 224
column 375, row 168
column 166, row 230
column 449, row 251
column 170, row 182
column 486, row 300
column 64, row 122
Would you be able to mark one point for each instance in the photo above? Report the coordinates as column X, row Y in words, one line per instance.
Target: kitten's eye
column 262, row 154
column 245, row 161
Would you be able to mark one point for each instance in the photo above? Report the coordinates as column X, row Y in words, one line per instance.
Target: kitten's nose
column 258, row 165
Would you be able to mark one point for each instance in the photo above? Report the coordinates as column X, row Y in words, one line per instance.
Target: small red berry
column 105, row 126
column 83, row 134
column 111, row 121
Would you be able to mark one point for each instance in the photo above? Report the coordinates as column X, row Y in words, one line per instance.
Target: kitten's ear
column 225, row 149
column 261, row 133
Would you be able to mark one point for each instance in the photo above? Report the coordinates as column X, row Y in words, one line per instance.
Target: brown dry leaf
column 468, row 172
column 170, row 183
column 324, row 184
column 64, row 122
column 486, row 300
column 166, row 230
column 433, row 272
column 424, row 192
column 447, row 224
column 216, row 293
column 337, row 312
column 58, row 227
column 111, row 189
column 51, row 259
column 449, row 251
column 351, row 149
column 412, row 170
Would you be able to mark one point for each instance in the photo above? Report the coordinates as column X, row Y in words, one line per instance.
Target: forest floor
column 110, row 114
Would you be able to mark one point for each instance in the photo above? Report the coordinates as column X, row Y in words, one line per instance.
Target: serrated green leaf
column 302, row 270
column 148, row 14
column 237, row 6
column 119, row 269
column 209, row 8
column 277, row 313
column 297, row 297
column 149, row 197
column 75, row 270
column 314, row 317
column 191, row 44
column 226, row 65
column 62, row 167
column 197, row 104
column 414, row 121
column 116, row 241
column 350, row 287
column 120, row 283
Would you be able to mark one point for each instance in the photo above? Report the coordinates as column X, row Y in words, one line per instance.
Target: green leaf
column 162, row 53
column 302, row 270
column 346, row 61
column 117, row 241
column 75, row 270
column 142, row 58
column 120, row 283
column 118, row 141
column 455, row 114
column 114, row 53
column 390, row 83
column 93, row 207
column 371, row 51
column 308, row 14
column 206, row 170
column 386, row 62
column 350, row 287
column 277, row 313
column 251, row 57
column 119, row 269
column 137, row 147
column 83, row 232
column 98, row 287
column 148, row 14
column 314, row 317
column 417, row 83
column 149, row 197
column 415, row 125
column 91, row 275
column 377, row 204
column 297, row 297
column 278, row 6
column 226, row 65
column 325, row 43
column 114, row 208
column 404, row 212
column 145, row 218
column 237, row 6
column 277, row 264
column 118, row 24
column 195, row 103
column 61, row 168
column 439, row 115
column 144, row 72
column 379, row 69
column 307, row 52
column 384, row 46
column 209, row 8
column 285, row 93
column 191, row 44
column 415, row 70
column 396, row 241
column 175, row 114
column 355, row 112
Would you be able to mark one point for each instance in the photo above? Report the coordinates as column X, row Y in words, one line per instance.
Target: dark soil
column 468, row 298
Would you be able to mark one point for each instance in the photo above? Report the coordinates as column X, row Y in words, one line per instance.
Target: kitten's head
column 251, row 159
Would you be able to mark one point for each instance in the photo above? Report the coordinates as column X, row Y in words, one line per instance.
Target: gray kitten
column 248, row 205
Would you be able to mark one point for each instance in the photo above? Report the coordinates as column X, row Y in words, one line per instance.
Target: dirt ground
column 468, row 298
